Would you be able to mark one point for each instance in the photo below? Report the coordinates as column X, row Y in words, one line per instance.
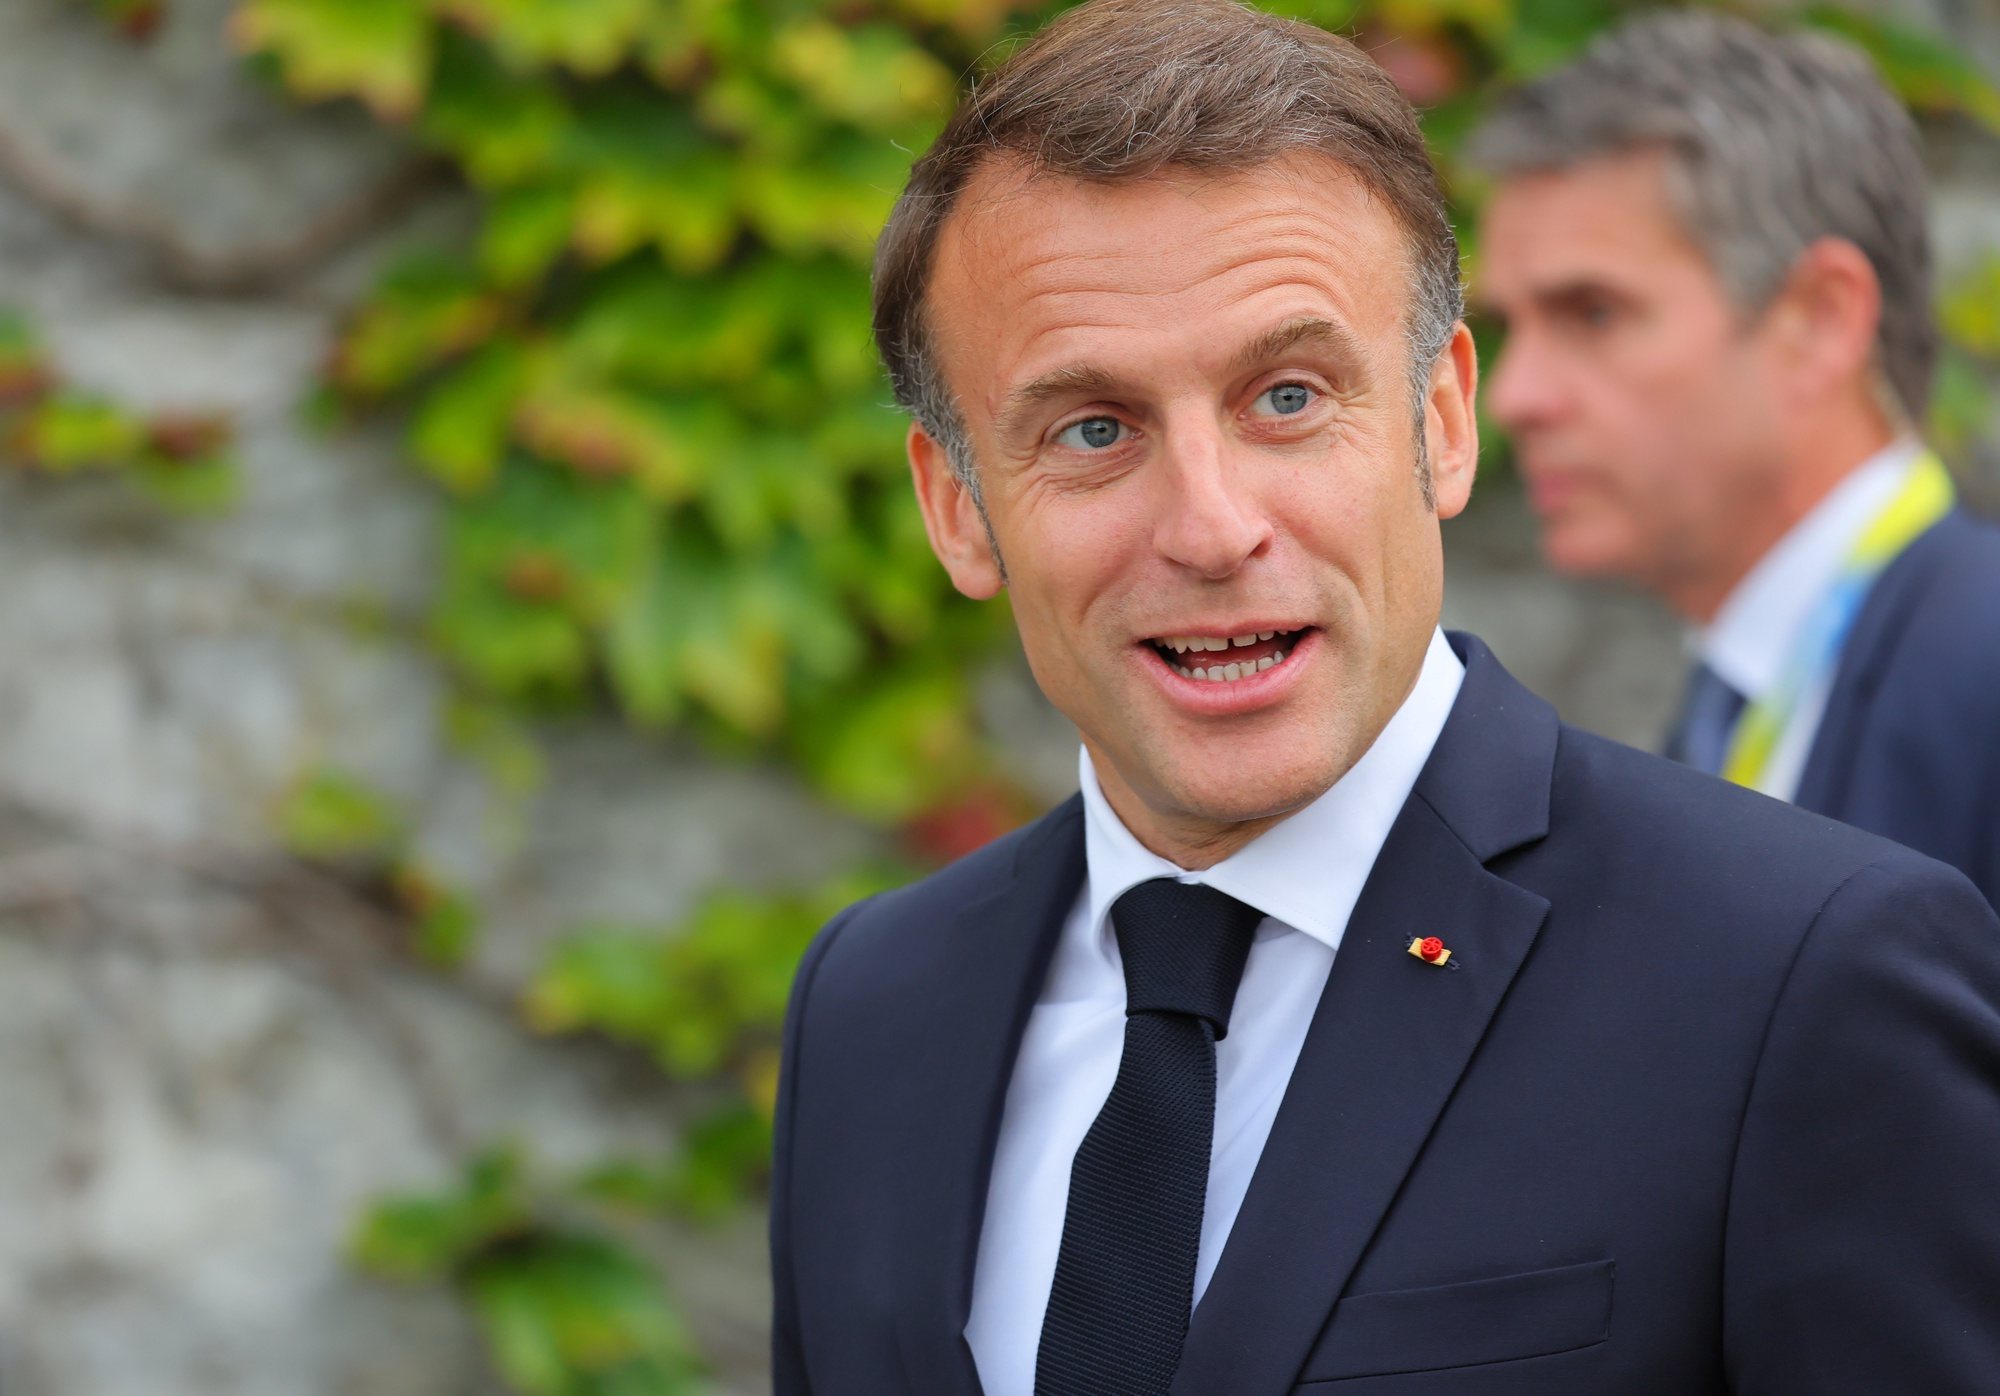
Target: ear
column 1451, row 422
column 1823, row 322
column 957, row 531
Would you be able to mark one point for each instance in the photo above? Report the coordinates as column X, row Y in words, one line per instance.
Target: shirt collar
column 1755, row 631
column 1306, row 870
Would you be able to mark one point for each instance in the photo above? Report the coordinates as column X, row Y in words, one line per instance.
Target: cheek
column 1692, row 375
column 1357, row 527
column 1069, row 569
column 1660, row 424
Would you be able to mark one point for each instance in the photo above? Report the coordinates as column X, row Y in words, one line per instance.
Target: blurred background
column 463, row 627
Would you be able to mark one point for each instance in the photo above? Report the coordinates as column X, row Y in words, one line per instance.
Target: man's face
column 1638, row 400
column 1188, row 403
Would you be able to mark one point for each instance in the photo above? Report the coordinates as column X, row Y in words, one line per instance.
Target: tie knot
column 1709, row 712
column 1183, row 945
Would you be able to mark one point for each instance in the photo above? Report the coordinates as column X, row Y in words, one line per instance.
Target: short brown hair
column 1118, row 90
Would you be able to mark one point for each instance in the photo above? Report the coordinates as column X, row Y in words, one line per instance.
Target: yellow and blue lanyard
column 1924, row 498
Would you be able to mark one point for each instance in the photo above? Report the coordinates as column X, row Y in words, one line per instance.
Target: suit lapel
column 1389, row 1040
column 1864, row 658
column 988, row 969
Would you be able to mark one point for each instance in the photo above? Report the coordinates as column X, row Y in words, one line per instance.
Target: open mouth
column 1227, row 658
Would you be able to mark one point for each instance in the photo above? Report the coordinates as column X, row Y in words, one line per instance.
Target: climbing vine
column 52, row 429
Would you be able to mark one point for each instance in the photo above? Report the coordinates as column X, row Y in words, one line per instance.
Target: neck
column 1189, row 843
column 1812, row 468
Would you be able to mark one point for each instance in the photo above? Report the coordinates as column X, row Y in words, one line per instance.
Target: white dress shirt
column 1304, row 874
column 1753, row 635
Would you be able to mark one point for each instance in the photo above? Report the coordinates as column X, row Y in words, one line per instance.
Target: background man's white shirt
column 1304, row 874
column 1752, row 637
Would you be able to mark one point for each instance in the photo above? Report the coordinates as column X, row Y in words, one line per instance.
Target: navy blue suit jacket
column 1713, row 1104
column 1910, row 744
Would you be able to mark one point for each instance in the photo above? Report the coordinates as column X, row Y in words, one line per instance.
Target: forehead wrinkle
column 1059, row 314
column 1083, row 377
column 1182, row 267
column 1076, row 267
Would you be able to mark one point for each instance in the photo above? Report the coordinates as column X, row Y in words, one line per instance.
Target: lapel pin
column 1431, row 951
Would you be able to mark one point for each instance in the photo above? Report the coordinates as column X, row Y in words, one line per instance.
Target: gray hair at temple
column 1774, row 141
column 1122, row 90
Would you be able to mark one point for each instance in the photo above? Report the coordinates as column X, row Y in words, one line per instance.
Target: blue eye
column 1092, row 433
column 1286, row 399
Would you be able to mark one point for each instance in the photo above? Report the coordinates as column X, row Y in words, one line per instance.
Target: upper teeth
column 1181, row 644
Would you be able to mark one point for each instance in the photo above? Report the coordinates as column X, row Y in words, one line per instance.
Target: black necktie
column 1124, row 1282
column 1709, row 710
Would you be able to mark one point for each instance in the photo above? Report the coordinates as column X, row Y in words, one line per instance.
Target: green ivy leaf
column 709, row 992
column 330, row 814
column 20, row 346
column 208, row 485
column 71, row 431
column 590, row 37
column 424, row 1235
column 461, row 429
column 1971, row 308
column 377, row 50
column 1961, row 404
column 428, row 310
column 505, row 128
column 510, row 1306
column 527, row 229
column 444, row 923
column 722, row 1156
column 871, row 75
column 497, row 741
column 1924, row 70
column 896, row 747
column 675, row 331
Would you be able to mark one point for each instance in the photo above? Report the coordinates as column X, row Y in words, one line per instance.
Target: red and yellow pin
column 1430, row 950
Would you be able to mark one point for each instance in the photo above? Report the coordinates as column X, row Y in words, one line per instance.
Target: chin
column 1577, row 553
column 1263, row 795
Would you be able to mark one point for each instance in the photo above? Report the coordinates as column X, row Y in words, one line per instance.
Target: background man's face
column 1187, row 399
column 1637, row 398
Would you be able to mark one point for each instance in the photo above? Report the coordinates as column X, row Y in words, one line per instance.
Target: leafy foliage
column 1962, row 406
column 648, row 385
column 330, row 815
column 705, row 997
column 50, row 429
column 332, row 818
column 566, row 1311
column 1929, row 74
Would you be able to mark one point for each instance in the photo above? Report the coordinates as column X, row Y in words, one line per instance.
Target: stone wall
column 211, row 1054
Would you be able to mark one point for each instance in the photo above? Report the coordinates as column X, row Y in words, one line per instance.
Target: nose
column 1210, row 520
column 1524, row 389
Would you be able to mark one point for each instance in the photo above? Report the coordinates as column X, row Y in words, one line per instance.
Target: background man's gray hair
column 1122, row 90
column 1773, row 142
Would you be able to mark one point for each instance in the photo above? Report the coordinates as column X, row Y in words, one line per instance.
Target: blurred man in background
column 1708, row 246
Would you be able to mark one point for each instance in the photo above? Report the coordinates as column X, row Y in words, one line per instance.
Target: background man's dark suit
column 1909, row 747
column 1713, row 1104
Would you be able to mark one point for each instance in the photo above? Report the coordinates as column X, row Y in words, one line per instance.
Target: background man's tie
column 1700, row 736
column 1124, row 1281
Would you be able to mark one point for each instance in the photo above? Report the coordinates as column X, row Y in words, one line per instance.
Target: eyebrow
column 1555, row 293
column 1085, row 380
column 1303, row 331
column 1088, row 380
